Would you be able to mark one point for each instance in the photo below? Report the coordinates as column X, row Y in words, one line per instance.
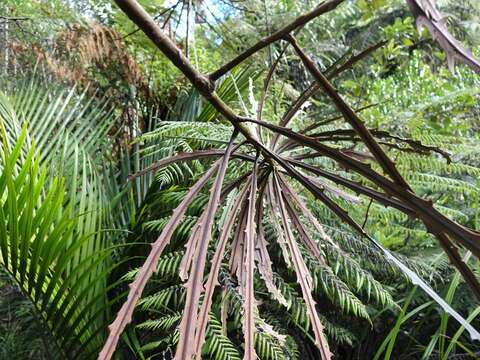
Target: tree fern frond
column 218, row 345
column 438, row 183
column 354, row 274
column 167, row 267
column 182, row 231
column 326, row 283
column 267, row 347
column 297, row 315
column 163, row 323
column 188, row 129
column 411, row 162
column 171, row 297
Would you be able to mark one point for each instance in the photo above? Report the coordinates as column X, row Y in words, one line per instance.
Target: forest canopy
column 227, row 179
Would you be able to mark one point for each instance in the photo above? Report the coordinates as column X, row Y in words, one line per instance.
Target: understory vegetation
column 256, row 179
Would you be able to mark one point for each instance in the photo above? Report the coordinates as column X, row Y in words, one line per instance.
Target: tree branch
column 321, row 9
column 423, row 209
column 330, row 74
column 350, row 116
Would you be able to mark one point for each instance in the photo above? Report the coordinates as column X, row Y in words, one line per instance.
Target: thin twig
column 323, row 8
column 366, row 214
column 350, row 116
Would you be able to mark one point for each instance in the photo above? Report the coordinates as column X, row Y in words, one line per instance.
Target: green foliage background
column 79, row 137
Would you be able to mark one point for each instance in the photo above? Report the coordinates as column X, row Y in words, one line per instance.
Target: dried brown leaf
column 274, row 209
column 124, row 316
column 212, row 281
column 426, row 14
column 194, row 286
column 236, row 257
column 303, row 277
column 248, row 291
column 297, row 200
column 264, row 265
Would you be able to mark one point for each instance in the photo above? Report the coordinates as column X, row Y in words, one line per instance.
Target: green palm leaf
column 51, row 216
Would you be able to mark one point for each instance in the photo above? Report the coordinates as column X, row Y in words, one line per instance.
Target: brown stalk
column 124, row 316
column 312, row 89
column 236, row 256
column 235, row 184
column 303, row 277
column 309, row 184
column 185, row 347
column 267, row 82
column 400, row 194
column 456, row 259
column 287, row 144
column 296, row 200
column 249, row 305
column 264, row 263
column 311, row 245
column 212, row 281
column 334, row 190
column 294, row 109
column 191, row 244
column 350, row 116
column 355, row 59
column 361, row 155
column 319, row 194
column 266, row 85
column 190, row 247
column 356, row 154
column 383, row 199
column 422, row 209
column 335, row 118
column 350, row 135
